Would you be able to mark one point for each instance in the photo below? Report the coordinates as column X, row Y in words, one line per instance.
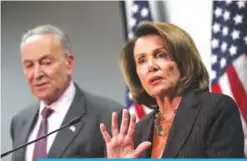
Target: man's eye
column 47, row 62
column 28, row 65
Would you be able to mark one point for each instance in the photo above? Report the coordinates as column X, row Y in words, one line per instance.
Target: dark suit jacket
column 86, row 141
column 205, row 125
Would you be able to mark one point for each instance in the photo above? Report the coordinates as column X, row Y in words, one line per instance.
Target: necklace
column 159, row 117
column 160, row 130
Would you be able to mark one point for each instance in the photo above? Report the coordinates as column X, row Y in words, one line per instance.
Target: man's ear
column 70, row 61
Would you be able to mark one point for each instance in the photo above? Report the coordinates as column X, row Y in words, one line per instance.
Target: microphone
column 72, row 122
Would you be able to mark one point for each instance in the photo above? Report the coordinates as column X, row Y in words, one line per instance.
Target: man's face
column 46, row 66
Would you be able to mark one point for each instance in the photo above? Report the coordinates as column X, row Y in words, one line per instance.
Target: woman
column 164, row 71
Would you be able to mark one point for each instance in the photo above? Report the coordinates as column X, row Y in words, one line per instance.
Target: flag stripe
column 238, row 91
column 216, row 88
column 139, row 111
column 240, row 65
column 224, row 82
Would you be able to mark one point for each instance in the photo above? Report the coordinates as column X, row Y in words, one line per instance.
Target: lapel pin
column 72, row 128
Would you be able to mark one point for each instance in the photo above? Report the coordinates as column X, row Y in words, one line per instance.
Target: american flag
column 139, row 11
column 229, row 53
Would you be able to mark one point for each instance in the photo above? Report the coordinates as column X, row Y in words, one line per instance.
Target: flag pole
column 124, row 18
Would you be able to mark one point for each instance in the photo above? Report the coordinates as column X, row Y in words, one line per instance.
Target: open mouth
column 155, row 80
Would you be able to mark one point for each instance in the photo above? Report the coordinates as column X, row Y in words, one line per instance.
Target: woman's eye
column 162, row 55
column 141, row 61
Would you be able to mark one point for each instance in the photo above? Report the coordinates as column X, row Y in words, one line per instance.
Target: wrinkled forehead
column 41, row 39
column 148, row 44
column 38, row 46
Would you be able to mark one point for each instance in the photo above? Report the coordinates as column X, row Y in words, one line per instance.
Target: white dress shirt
column 60, row 107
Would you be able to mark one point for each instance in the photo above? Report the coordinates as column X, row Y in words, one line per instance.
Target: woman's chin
column 157, row 92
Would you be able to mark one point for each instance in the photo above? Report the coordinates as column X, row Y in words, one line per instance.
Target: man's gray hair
column 49, row 29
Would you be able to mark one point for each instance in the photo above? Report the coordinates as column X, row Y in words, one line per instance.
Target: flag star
column 238, row 19
column 235, row 34
column 233, row 50
column 215, row 43
column 218, row 12
column 134, row 8
column 223, row 46
column 144, row 12
column 130, row 35
column 213, row 74
column 214, row 59
column 223, row 62
column 225, row 31
column 226, row 15
column 228, row 2
column 216, row 27
column 241, row 4
column 132, row 22
column 245, row 39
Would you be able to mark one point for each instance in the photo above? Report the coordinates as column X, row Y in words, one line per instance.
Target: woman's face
column 155, row 68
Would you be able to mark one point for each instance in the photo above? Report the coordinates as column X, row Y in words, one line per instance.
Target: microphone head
column 75, row 120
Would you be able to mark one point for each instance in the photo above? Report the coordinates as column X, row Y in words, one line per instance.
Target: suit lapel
column 183, row 122
column 28, row 126
column 146, row 133
column 65, row 137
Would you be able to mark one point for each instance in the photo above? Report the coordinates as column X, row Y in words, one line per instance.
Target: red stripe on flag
column 216, row 88
column 238, row 91
column 139, row 111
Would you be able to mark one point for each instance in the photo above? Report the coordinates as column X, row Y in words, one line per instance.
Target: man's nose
column 38, row 73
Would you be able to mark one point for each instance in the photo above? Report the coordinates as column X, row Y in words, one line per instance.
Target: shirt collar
column 60, row 104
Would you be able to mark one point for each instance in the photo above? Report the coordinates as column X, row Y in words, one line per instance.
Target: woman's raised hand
column 121, row 144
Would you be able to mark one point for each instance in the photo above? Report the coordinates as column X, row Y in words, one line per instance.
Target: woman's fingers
column 141, row 148
column 105, row 134
column 124, row 123
column 114, row 124
column 132, row 126
column 121, row 140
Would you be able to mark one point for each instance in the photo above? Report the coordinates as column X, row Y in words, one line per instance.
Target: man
column 48, row 63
